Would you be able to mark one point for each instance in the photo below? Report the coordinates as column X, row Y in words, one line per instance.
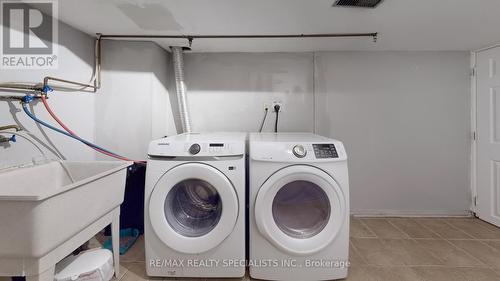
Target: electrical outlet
column 277, row 103
column 266, row 105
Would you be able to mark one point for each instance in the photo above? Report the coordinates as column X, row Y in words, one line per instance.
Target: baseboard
column 411, row 213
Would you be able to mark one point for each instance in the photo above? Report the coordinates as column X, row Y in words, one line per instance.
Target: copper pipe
column 8, row 127
column 15, row 86
column 49, row 78
column 314, row 35
column 96, row 80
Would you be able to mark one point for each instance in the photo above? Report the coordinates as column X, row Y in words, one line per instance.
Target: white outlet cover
column 277, row 103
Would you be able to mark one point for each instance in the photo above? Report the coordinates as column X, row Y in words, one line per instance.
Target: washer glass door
column 193, row 208
column 300, row 209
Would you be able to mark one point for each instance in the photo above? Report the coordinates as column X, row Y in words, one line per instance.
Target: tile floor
column 399, row 249
column 431, row 249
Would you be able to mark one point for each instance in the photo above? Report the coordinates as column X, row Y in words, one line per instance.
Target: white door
column 488, row 135
column 193, row 208
column 300, row 209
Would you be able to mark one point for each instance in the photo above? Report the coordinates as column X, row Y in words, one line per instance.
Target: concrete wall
column 132, row 107
column 77, row 109
column 403, row 116
column 405, row 120
column 228, row 91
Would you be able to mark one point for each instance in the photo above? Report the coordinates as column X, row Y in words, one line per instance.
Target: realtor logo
column 29, row 34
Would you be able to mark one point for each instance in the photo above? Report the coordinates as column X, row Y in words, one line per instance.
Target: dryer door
column 193, row 208
column 300, row 209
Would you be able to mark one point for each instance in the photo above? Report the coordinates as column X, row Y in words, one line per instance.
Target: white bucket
column 92, row 265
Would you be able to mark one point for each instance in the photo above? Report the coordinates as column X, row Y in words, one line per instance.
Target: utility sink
column 47, row 211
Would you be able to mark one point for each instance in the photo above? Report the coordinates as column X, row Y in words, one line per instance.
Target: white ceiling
column 402, row 24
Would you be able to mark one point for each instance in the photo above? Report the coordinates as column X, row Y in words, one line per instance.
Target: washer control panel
column 217, row 147
column 325, row 150
column 208, row 149
column 194, row 149
column 199, row 145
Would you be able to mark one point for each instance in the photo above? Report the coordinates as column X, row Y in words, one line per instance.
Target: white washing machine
column 195, row 206
column 299, row 207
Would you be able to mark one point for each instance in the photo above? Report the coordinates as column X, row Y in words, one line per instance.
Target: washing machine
column 195, row 206
column 299, row 207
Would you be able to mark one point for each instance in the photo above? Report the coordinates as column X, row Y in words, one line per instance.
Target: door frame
column 473, row 124
column 473, row 156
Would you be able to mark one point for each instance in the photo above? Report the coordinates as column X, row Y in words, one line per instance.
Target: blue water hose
column 28, row 99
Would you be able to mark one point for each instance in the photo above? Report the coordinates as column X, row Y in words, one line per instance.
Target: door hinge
column 474, row 135
column 473, row 71
column 475, row 200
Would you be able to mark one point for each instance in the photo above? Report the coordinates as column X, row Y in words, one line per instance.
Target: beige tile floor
column 401, row 249
column 461, row 249
column 398, row 249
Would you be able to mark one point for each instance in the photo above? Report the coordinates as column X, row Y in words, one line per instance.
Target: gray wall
column 403, row 116
column 228, row 91
column 405, row 120
column 132, row 107
column 77, row 109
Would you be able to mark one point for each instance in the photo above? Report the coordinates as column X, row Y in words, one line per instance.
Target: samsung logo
column 164, row 143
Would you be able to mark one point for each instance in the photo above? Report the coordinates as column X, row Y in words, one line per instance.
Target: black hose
column 263, row 120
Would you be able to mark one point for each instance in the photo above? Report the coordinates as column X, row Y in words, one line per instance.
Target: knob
column 194, row 149
column 299, row 151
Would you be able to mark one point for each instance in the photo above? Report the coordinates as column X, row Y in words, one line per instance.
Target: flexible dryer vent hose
column 178, row 61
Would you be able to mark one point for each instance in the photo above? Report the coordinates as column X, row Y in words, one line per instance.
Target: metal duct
column 178, row 61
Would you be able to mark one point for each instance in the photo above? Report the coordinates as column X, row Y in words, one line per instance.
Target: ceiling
column 402, row 24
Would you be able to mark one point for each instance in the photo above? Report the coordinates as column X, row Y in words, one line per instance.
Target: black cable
column 263, row 120
column 276, row 122
column 277, row 110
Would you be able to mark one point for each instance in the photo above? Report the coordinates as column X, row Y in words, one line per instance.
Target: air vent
column 357, row 3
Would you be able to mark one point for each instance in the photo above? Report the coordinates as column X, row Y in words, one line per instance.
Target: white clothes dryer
column 299, row 207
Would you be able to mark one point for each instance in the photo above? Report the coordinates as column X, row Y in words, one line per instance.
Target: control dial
column 299, row 151
column 194, row 149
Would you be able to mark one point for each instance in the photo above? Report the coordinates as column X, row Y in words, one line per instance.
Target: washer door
column 300, row 209
column 193, row 208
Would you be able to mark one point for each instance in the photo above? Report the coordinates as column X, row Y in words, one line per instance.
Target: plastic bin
column 92, row 265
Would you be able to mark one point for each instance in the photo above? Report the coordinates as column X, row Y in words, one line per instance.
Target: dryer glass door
column 300, row 209
column 193, row 208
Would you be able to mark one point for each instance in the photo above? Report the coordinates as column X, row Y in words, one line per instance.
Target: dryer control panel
column 295, row 148
column 325, row 150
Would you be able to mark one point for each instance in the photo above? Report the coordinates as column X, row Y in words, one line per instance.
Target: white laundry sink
column 47, row 210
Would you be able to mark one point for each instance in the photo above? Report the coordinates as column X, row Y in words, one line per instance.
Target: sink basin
column 46, row 210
